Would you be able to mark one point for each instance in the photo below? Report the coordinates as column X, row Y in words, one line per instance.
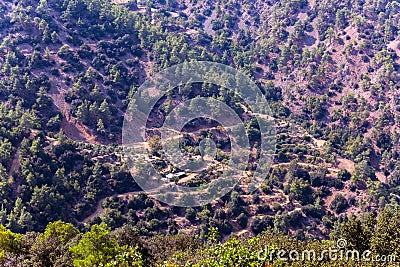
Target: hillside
column 330, row 71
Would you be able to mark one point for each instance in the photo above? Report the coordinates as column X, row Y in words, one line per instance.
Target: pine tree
column 100, row 126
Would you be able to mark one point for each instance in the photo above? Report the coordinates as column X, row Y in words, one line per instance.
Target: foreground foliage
column 69, row 68
column 62, row 244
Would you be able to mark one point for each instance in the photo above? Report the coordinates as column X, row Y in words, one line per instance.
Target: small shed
column 180, row 174
column 170, row 176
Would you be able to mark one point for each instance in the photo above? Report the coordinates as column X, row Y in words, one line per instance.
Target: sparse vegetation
column 68, row 70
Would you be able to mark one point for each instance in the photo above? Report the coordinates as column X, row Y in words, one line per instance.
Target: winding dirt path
column 99, row 208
